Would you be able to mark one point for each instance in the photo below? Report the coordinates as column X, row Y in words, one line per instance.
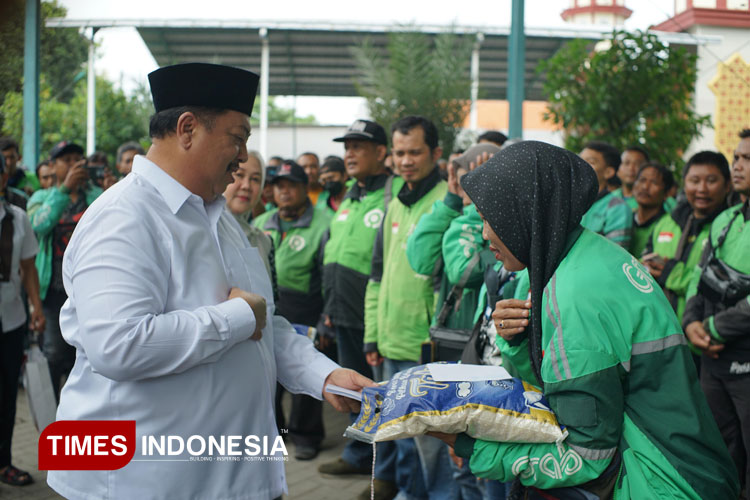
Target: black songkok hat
column 200, row 84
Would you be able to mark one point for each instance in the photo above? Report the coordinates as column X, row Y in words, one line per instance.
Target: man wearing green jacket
column 604, row 345
column 54, row 213
column 452, row 231
column 347, row 265
column 399, row 303
column 630, row 163
column 676, row 242
column 609, row 216
column 717, row 321
column 652, row 184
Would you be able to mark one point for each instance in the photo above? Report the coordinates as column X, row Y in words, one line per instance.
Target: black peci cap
column 200, row 84
column 365, row 130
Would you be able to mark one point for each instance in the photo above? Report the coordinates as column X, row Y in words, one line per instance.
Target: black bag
column 447, row 344
column 719, row 282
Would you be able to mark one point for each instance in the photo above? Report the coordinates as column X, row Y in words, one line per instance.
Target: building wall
column 285, row 141
column 288, row 142
column 733, row 40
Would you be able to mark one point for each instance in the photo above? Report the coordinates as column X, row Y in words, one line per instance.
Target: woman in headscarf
column 604, row 345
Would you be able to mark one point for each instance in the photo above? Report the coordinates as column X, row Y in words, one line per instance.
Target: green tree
column 119, row 118
column 279, row 114
column 417, row 75
column 62, row 50
column 637, row 92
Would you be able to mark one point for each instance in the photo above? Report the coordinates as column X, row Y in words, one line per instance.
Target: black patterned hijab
column 533, row 195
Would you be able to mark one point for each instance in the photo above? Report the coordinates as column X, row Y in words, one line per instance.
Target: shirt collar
column 175, row 194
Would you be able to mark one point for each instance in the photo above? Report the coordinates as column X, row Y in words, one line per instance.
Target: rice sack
column 412, row 404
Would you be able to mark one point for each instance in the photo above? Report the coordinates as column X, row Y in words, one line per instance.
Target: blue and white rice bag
column 412, row 404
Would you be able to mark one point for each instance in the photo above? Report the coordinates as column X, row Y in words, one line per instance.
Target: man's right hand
column 258, row 304
column 77, row 175
column 374, row 358
column 699, row 337
column 511, row 317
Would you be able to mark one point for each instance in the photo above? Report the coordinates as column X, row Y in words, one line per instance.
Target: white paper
column 452, row 372
column 340, row 391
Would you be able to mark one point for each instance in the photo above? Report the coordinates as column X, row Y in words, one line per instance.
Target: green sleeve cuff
column 453, row 201
column 464, row 445
column 63, row 189
column 710, row 325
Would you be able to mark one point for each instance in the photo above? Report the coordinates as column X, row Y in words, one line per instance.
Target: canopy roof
column 316, row 58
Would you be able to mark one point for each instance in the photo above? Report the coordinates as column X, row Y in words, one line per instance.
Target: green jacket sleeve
column 371, row 294
column 618, row 225
column 423, row 246
column 45, row 208
column 592, row 413
column 462, row 240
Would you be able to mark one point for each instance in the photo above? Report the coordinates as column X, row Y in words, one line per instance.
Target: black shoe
column 341, row 467
column 384, row 490
column 305, row 452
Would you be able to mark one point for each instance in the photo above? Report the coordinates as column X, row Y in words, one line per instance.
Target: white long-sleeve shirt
column 147, row 272
column 12, row 312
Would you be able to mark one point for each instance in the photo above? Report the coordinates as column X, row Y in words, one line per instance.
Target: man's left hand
column 37, row 321
column 348, row 379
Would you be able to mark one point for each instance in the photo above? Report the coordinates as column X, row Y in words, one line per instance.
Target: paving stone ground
column 302, row 476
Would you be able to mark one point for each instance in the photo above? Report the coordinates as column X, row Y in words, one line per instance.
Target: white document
column 340, row 391
column 452, row 372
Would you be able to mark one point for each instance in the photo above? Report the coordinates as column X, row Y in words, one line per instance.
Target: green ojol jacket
column 726, row 323
column 451, row 235
column 642, row 233
column 611, row 217
column 347, row 259
column 298, row 262
column 665, row 238
column 400, row 303
column 45, row 207
column 618, row 375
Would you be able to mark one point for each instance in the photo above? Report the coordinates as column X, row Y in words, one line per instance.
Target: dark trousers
column 11, row 357
column 60, row 355
column 729, row 400
column 305, row 420
column 350, row 348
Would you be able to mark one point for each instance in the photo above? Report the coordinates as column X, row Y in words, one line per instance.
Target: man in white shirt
column 18, row 247
column 168, row 303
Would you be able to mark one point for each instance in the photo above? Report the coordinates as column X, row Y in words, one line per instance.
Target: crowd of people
column 621, row 291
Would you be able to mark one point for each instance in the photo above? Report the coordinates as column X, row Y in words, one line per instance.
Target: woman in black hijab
column 604, row 344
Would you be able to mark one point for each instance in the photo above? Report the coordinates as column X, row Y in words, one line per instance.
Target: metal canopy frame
column 315, row 59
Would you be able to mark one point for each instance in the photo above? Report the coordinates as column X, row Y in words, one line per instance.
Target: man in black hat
column 347, row 266
column 54, row 214
column 168, row 307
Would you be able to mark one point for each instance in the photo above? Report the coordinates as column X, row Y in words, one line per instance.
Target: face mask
column 333, row 187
